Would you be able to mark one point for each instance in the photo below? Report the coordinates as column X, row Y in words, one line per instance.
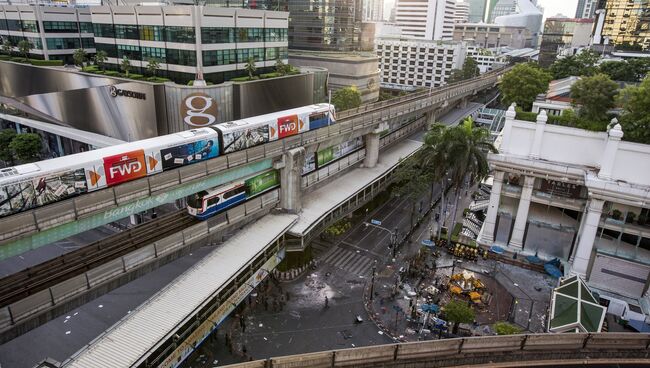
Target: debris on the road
column 265, row 339
column 261, row 325
column 380, row 332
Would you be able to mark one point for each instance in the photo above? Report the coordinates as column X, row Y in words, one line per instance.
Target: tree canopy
column 346, row 98
column 522, row 84
column 26, row 147
column 24, row 47
column 469, row 70
column 635, row 101
column 457, row 311
column 6, row 136
column 595, row 95
column 126, row 65
column 250, row 67
column 580, row 64
column 100, row 58
column 505, row 328
column 632, row 70
column 79, row 57
column 153, row 66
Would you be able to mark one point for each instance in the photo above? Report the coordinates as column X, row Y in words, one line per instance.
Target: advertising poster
column 244, row 138
column 124, row 167
column 189, row 153
column 262, row 182
column 310, row 163
column 41, row 191
column 288, row 126
column 324, row 156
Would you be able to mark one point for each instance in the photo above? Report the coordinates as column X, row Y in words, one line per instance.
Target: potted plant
column 616, row 214
column 630, row 217
column 642, row 219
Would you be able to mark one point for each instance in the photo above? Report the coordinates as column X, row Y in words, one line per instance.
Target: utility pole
column 372, row 283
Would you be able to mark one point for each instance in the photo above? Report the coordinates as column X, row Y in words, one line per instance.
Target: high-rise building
column 623, row 23
column 373, row 10
column 477, row 10
column 462, row 12
column 426, row 19
column 564, row 37
column 321, row 25
column 527, row 15
column 503, row 7
column 586, row 8
column 492, row 35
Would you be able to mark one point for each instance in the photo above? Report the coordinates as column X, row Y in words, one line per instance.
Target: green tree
column 250, row 67
column 346, row 98
column 100, row 58
column 522, row 84
column 26, row 147
column 126, row 65
column 79, row 57
column 505, row 328
column 6, row 136
column 582, row 64
column 281, row 68
column 618, row 71
column 635, row 121
column 7, row 47
column 153, row 66
column 595, row 95
column 469, row 70
column 24, row 47
column 413, row 182
column 458, row 312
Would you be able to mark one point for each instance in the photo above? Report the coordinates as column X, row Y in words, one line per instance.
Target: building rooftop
column 345, row 56
column 572, row 20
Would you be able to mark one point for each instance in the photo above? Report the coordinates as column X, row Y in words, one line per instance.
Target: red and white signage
column 124, row 167
column 288, row 125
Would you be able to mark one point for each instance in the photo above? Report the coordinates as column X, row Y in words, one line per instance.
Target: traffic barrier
column 140, row 256
column 104, row 272
column 30, row 305
column 5, row 318
column 168, row 244
column 131, row 191
column 50, row 216
column 68, row 288
column 365, row 355
column 312, row 360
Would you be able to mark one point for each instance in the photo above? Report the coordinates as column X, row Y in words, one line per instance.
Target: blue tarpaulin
column 496, row 249
column 534, row 260
column 639, row 326
column 553, row 271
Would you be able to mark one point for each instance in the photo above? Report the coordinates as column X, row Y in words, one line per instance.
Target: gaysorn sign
column 114, row 91
column 199, row 110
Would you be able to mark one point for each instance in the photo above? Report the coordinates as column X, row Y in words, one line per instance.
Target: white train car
column 249, row 132
column 33, row 185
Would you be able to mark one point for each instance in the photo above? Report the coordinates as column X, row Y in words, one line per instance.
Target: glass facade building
column 625, row 23
column 325, row 25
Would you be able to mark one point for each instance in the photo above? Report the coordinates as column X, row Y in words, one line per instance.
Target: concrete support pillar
column 431, row 118
column 587, row 237
column 517, row 239
column 489, row 226
column 507, row 128
column 291, row 180
column 539, row 134
column 372, row 149
column 607, row 163
column 463, row 103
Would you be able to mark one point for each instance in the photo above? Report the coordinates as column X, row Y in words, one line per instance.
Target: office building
column 462, row 12
column 373, row 10
column 503, row 7
column 624, row 24
column 477, row 10
column 429, row 19
column 586, row 8
column 492, row 35
column 324, row 26
column 53, row 32
column 191, row 40
column 527, row 15
column 564, row 37
column 418, row 63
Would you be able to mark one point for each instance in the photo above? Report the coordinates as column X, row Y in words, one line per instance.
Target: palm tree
column 126, row 65
column 7, row 46
column 250, row 67
column 458, row 153
column 100, row 58
column 25, row 47
column 79, row 56
column 153, row 66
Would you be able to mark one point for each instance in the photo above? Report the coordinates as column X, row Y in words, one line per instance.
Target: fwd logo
column 125, row 168
column 287, row 126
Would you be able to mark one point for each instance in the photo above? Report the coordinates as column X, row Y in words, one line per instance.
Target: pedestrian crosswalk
column 351, row 261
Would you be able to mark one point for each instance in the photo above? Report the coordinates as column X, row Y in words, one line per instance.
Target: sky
column 551, row 7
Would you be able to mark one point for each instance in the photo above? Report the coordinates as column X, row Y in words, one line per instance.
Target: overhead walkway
column 162, row 330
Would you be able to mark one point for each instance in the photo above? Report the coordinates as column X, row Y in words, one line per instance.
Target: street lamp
column 372, row 282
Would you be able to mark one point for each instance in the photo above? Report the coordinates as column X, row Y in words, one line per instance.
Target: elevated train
column 33, row 185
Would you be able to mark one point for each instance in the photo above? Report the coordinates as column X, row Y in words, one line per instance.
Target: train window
column 317, row 116
column 213, row 201
column 233, row 192
column 195, row 200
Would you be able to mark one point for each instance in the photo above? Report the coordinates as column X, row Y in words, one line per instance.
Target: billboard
column 310, row 163
column 330, row 154
column 41, row 191
column 199, row 110
column 324, row 156
column 260, row 183
column 189, row 153
column 124, row 167
column 245, row 137
column 289, row 125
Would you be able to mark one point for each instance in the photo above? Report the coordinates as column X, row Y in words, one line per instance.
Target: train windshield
column 196, row 199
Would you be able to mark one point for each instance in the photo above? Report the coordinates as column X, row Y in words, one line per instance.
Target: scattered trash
column 75, row 313
column 65, row 321
column 265, row 339
column 354, row 346
column 516, row 284
column 68, row 332
column 358, row 251
column 100, row 306
column 67, row 317
column 129, row 312
column 401, row 336
column 261, row 325
column 254, row 295
column 380, row 332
